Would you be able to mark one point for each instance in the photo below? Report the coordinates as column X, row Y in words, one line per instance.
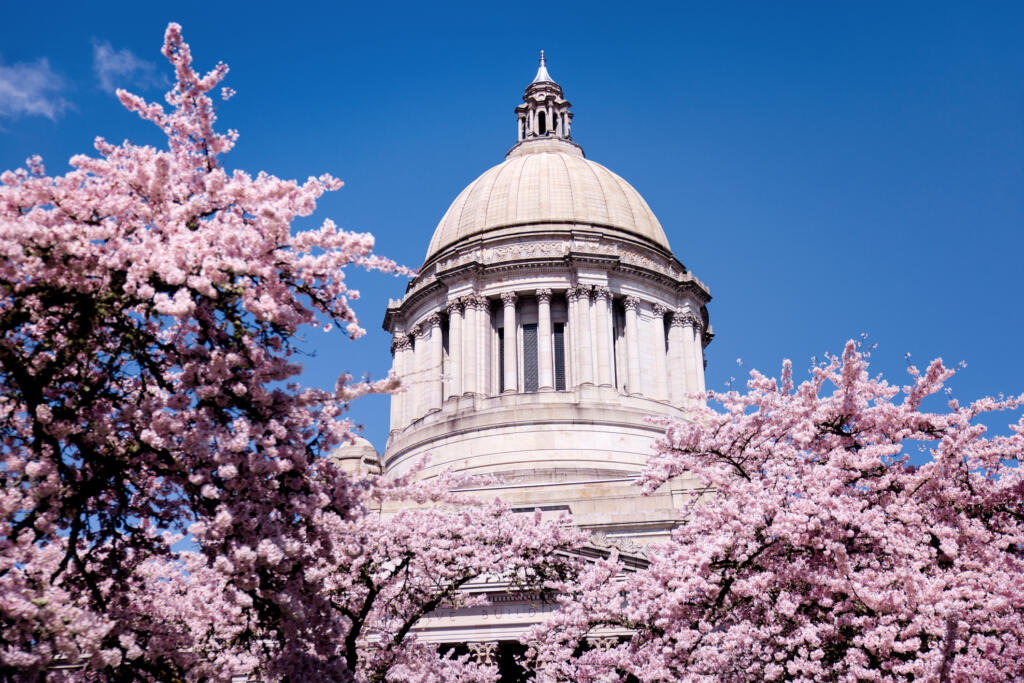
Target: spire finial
column 542, row 73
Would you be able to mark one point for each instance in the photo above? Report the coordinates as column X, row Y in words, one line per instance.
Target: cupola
column 544, row 112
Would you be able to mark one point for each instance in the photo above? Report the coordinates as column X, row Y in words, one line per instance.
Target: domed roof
column 544, row 182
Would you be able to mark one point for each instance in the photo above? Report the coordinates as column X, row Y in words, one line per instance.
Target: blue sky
column 826, row 169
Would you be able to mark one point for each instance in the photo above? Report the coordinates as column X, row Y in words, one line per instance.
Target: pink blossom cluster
column 813, row 550
column 149, row 305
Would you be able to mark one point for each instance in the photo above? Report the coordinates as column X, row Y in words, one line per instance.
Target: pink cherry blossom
column 167, row 507
column 812, row 549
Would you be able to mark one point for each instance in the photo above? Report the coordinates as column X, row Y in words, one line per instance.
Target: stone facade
column 548, row 322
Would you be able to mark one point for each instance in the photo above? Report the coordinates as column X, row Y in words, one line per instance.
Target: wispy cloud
column 30, row 88
column 121, row 68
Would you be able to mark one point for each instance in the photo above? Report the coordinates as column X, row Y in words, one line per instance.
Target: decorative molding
column 508, row 298
column 483, row 653
column 544, row 296
column 631, row 303
column 524, row 250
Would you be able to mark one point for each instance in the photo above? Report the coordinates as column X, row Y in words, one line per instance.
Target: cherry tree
column 166, row 507
column 813, row 549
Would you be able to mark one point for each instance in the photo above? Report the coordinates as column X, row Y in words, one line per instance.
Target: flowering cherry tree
column 814, row 550
column 149, row 306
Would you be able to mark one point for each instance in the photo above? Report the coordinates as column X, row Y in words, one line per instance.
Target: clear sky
column 827, row 169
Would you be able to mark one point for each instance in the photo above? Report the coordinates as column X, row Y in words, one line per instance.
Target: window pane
column 530, row 357
column 559, row 333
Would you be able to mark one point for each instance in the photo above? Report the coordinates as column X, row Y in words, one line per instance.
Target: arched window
column 541, row 124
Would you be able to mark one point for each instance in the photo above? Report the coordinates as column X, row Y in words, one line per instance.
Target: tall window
column 446, row 361
column 619, row 372
column 501, row 359
column 541, row 125
column 558, row 332
column 530, row 357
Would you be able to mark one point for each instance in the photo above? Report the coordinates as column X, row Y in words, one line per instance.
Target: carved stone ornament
column 600, row 539
column 659, row 310
column 602, row 293
column 455, row 305
column 544, row 296
column 420, row 331
column 603, row 643
column 631, row 303
column 508, row 298
column 434, row 320
column 483, row 653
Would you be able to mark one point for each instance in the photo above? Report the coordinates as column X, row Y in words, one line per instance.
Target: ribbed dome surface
column 546, row 186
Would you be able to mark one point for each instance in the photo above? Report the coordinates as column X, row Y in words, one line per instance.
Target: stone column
column 631, row 303
column 689, row 349
column 603, row 311
column 421, row 359
column 469, row 359
column 511, row 366
column 545, row 369
column 409, row 377
column 660, row 362
column 483, row 340
column 434, row 376
column 455, row 355
column 677, row 360
column 572, row 371
column 698, row 354
column 398, row 343
column 580, row 296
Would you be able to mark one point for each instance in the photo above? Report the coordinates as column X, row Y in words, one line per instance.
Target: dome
column 356, row 456
column 548, row 184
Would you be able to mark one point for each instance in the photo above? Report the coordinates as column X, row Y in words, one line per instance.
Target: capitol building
column 548, row 323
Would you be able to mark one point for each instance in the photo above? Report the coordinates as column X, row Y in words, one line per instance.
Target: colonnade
column 557, row 123
column 664, row 367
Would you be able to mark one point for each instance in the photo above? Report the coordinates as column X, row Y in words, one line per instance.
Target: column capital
column 683, row 318
column 400, row 341
column 472, row 301
column 434, row 320
column 603, row 643
column 483, row 653
column 508, row 298
column 419, row 331
column 601, row 292
column 659, row 310
column 544, row 296
column 579, row 292
column 631, row 303
column 454, row 305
